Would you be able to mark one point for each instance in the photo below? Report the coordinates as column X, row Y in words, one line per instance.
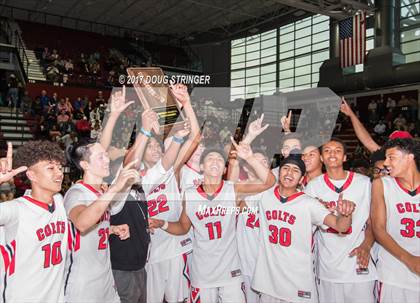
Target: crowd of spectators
column 94, row 69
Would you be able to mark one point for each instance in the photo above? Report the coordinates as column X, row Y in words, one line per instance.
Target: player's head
column 312, row 158
column 291, row 171
column 153, row 152
column 290, row 142
column 90, row 158
column 262, row 158
column 212, row 162
column 377, row 160
column 360, row 166
column 401, row 155
column 44, row 160
column 333, row 153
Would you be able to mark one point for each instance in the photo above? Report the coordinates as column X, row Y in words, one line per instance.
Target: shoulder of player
column 361, row 178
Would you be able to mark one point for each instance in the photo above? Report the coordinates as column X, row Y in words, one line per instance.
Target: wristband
column 178, row 140
column 145, row 132
column 165, row 225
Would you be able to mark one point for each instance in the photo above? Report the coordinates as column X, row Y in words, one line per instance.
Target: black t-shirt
column 131, row 254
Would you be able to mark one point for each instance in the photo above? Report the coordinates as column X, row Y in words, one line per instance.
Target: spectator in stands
column 96, row 130
column 70, row 108
column 63, row 117
column 413, row 129
column 372, row 107
column 7, row 191
column 400, row 123
column 99, row 99
column 54, row 56
column 68, row 66
column 381, row 107
column 68, row 139
column 54, row 99
column 224, row 134
column 54, row 133
column 77, row 104
column 83, row 127
column 45, row 55
column 53, row 74
column 12, row 93
column 26, row 103
column 390, row 103
column 45, row 100
column 380, row 128
column 413, row 109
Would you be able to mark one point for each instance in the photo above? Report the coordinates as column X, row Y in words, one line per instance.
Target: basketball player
column 248, row 229
column 210, row 209
column 283, row 272
column 167, row 270
column 190, row 172
column 343, row 267
column 89, row 276
column 35, row 226
column 396, row 223
column 313, row 164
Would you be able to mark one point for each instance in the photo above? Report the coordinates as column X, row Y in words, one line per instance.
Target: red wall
column 72, row 92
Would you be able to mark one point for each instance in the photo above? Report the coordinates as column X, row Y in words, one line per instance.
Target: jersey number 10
column 52, row 254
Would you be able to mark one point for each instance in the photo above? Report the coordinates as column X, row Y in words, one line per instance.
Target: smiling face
column 397, row 161
column 213, row 165
column 290, row 175
column 46, row 175
column 153, row 152
column 333, row 154
column 98, row 163
column 312, row 158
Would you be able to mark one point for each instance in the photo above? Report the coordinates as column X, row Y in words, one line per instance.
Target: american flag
column 353, row 40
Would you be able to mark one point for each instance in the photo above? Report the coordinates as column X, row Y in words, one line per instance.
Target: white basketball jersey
column 334, row 263
column 164, row 203
column 34, row 250
column 284, row 267
column 403, row 224
column 215, row 260
column 88, row 275
column 189, row 177
column 247, row 233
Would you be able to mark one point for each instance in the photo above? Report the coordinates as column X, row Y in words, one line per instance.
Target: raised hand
column 185, row 131
column 118, row 103
column 149, row 119
column 345, row 207
column 6, row 166
column 122, row 231
column 345, row 108
column 285, row 121
column 256, row 128
column 180, row 91
column 243, row 150
column 127, row 176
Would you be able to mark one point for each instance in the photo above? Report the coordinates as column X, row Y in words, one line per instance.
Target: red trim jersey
column 189, row 177
column 284, row 268
column 403, row 224
column 34, row 250
column 88, row 274
column 164, row 202
column 215, row 260
column 334, row 263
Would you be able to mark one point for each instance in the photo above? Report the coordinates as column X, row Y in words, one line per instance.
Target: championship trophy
column 154, row 93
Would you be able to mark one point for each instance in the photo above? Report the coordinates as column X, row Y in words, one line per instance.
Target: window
column 303, row 46
column 410, row 29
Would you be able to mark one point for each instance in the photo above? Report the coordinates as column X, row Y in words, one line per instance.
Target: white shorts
column 232, row 293
column 168, row 280
column 269, row 299
column 393, row 294
column 251, row 295
column 346, row 292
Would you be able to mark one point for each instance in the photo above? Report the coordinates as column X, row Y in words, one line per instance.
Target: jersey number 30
column 282, row 236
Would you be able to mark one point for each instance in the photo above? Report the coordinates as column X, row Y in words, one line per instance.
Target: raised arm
column 173, row 150
column 180, row 92
column 361, row 132
column 6, row 166
column 84, row 217
column 263, row 173
column 254, row 130
column 117, row 105
column 180, row 227
column 379, row 217
column 148, row 118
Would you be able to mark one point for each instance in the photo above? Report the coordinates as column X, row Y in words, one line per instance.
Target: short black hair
column 33, row 152
column 211, row 150
column 376, row 156
column 406, row 145
column 79, row 152
column 338, row 140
